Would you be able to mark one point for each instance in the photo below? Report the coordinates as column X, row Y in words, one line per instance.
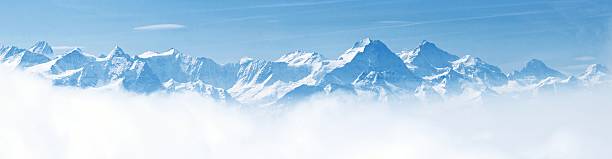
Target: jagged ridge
column 369, row 68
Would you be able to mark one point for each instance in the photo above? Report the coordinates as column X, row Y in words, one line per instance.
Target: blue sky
column 564, row 33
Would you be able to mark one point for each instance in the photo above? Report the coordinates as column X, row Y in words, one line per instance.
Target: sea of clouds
column 40, row 121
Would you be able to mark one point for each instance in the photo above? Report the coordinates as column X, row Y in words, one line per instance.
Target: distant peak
column 75, row 50
column 117, row 48
column 366, row 46
column 535, row 62
column 597, row 68
column 536, row 68
column 42, row 47
column 300, row 57
column 469, row 60
column 172, row 51
column 301, row 53
column 425, row 42
column 150, row 54
column 245, row 60
column 41, row 43
column 427, row 45
column 117, row 51
column 367, row 42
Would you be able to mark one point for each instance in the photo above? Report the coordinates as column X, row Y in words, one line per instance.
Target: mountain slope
column 369, row 69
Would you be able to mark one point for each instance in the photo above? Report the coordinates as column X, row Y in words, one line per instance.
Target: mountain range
column 369, row 69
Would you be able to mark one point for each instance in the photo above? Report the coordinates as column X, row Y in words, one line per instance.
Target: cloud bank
column 41, row 121
column 159, row 27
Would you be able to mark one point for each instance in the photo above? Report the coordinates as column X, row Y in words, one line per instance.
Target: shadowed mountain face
column 368, row 69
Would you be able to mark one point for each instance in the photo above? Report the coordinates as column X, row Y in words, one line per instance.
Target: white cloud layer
column 159, row 27
column 40, row 121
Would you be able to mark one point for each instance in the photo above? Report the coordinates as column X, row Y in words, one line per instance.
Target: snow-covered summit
column 299, row 58
column 151, row 54
column 42, row 47
column 595, row 73
column 369, row 57
column 535, row 70
column 117, row 52
column 427, row 58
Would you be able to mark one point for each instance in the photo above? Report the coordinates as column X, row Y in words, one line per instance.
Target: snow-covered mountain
column 42, row 47
column 535, row 71
column 369, row 69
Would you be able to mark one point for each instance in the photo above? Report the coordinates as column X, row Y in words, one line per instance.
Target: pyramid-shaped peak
column 595, row 72
column 427, row 43
column 42, row 47
column 171, row 51
column 597, row 68
column 428, row 47
column 75, row 51
column 367, row 42
column 362, row 43
column 537, row 68
column 366, row 47
column 535, row 63
column 117, row 52
column 117, row 48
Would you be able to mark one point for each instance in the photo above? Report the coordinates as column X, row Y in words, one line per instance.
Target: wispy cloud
column 391, row 24
column 585, row 58
column 282, row 5
column 159, row 27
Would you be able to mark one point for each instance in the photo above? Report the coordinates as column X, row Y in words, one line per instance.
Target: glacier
column 369, row 69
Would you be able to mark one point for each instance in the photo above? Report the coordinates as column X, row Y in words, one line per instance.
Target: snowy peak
column 427, row 58
column 299, row 58
column 8, row 52
column 596, row 68
column 373, row 58
column 428, row 46
column 594, row 73
column 468, row 60
column 150, row 54
column 171, row 51
column 536, row 64
column 42, row 47
column 536, row 70
column 117, row 52
column 74, row 59
column 366, row 47
column 429, row 51
column 375, row 55
column 478, row 70
column 363, row 43
column 74, row 51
